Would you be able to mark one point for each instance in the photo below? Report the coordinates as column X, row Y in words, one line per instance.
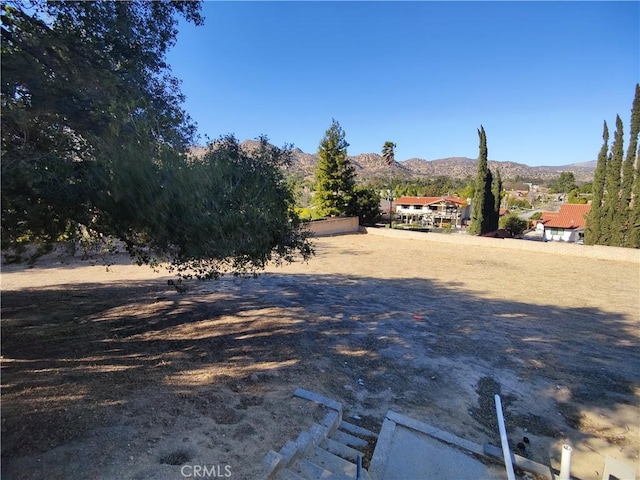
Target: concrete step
column 348, row 439
column 333, row 463
column 341, row 450
column 286, row 474
column 356, row 430
column 311, row 471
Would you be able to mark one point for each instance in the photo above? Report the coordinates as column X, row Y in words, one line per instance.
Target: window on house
column 417, row 207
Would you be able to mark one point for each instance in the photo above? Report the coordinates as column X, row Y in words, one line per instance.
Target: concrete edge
column 487, row 451
column 434, row 432
column 381, row 452
column 355, row 429
column 331, row 421
column 271, row 465
column 315, row 397
column 522, row 463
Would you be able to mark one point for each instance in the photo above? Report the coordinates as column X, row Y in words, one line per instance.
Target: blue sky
column 541, row 77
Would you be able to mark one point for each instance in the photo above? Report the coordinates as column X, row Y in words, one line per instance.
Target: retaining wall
column 590, row 251
column 333, row 226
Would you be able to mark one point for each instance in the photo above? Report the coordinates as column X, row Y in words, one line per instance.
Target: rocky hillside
column 371, row 165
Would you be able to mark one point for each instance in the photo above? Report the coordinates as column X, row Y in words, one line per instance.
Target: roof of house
column 428, row 200
column 570, row 216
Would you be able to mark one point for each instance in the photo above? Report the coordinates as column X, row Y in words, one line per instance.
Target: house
column 566, row 225
column 432, row 211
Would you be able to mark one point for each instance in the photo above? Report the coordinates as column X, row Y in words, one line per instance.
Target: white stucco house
column 566, row 225
column 432, row 211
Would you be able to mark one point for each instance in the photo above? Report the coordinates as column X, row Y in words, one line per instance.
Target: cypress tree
column 634, row 217
column 483, row 208
column 629, row 170
column 613, row 219
column 497, row 192
column 593, row 231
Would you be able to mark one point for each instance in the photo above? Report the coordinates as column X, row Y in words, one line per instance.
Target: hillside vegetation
column 371, row 165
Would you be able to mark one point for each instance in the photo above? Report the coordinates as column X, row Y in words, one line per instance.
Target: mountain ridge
column 372, row 165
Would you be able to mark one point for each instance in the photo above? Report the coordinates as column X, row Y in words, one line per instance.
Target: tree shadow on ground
column 72, row 353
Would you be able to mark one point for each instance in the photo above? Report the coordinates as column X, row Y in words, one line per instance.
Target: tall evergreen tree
column 593, row 227
column 613, row 218
column 497, row 194
column 629, row 170
column 483, row 217
column 634, row 216
column 335, row 175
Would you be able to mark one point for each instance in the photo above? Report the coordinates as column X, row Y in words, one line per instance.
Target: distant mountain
column 371, row 165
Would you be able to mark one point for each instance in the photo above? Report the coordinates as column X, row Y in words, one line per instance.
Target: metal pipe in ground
column 504, row 441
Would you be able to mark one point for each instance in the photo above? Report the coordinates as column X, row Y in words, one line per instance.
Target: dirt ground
column 112, row 374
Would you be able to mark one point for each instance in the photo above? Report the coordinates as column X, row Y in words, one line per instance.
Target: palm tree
column 388, row 152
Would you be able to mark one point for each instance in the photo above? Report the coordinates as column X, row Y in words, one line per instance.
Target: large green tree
column 365, row 204
column 231, row 211
column 593, row 228
column 612, row 217
column 483, row 212
column 513, row 224
column 615, row 210
column 564, row 183
column 633, row 234
column 629, row 201
column 335, row 175
column 84, row 85
column 497, row 193
column 94, row 143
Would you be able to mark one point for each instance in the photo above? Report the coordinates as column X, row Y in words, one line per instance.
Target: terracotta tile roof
column 427, row 200
column 547, row 216
column 569, row 216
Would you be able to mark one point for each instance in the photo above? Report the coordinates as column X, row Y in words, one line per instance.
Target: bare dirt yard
column 112, row 374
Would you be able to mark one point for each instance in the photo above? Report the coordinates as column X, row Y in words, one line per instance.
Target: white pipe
column 504, row 441
column 565, row 463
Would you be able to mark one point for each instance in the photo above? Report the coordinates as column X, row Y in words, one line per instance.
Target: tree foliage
column 426, row 187
column 563, row 184
column 513, row 224
column 611, row 216
column 388, row 152
column 365, row 204
column 496, row 188
column 631, row 179
column 231, row 211
column 335, row 175
column 615, row 209
column 593, row 227
column 94, row 142
column 483, row 211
